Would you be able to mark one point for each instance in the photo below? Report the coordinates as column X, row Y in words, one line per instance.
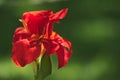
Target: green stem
column 42, row 67
column 37, row 74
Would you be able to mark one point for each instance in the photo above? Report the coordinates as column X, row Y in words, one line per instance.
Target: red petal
column 64, row 52
column 60, row 40
column 49, row 30
column 55, row 18
column 63, row 56
column 65, row 49
column 51, row 46
column 23, row 54
column 20, row 33
column 60, row 14
column 36, row 21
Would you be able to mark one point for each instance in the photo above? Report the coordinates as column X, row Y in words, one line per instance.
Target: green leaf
column 45, row 68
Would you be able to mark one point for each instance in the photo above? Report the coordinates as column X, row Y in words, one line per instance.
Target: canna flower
column 36, row 38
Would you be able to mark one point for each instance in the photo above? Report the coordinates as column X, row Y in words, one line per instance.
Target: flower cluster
column 36, row 37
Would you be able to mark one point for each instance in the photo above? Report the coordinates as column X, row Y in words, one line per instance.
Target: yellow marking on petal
column 42, row 49
column 52, row 35
column 41, row 36
column 41, row 53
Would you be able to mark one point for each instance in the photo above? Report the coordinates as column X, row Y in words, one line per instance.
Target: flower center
column 36, row 40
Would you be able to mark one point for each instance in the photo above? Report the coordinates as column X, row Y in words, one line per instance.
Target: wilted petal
column 23, row 54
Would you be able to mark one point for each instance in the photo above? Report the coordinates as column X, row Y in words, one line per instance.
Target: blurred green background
column 93, row 27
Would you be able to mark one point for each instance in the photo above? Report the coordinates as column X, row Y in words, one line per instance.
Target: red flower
column 37, row 37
